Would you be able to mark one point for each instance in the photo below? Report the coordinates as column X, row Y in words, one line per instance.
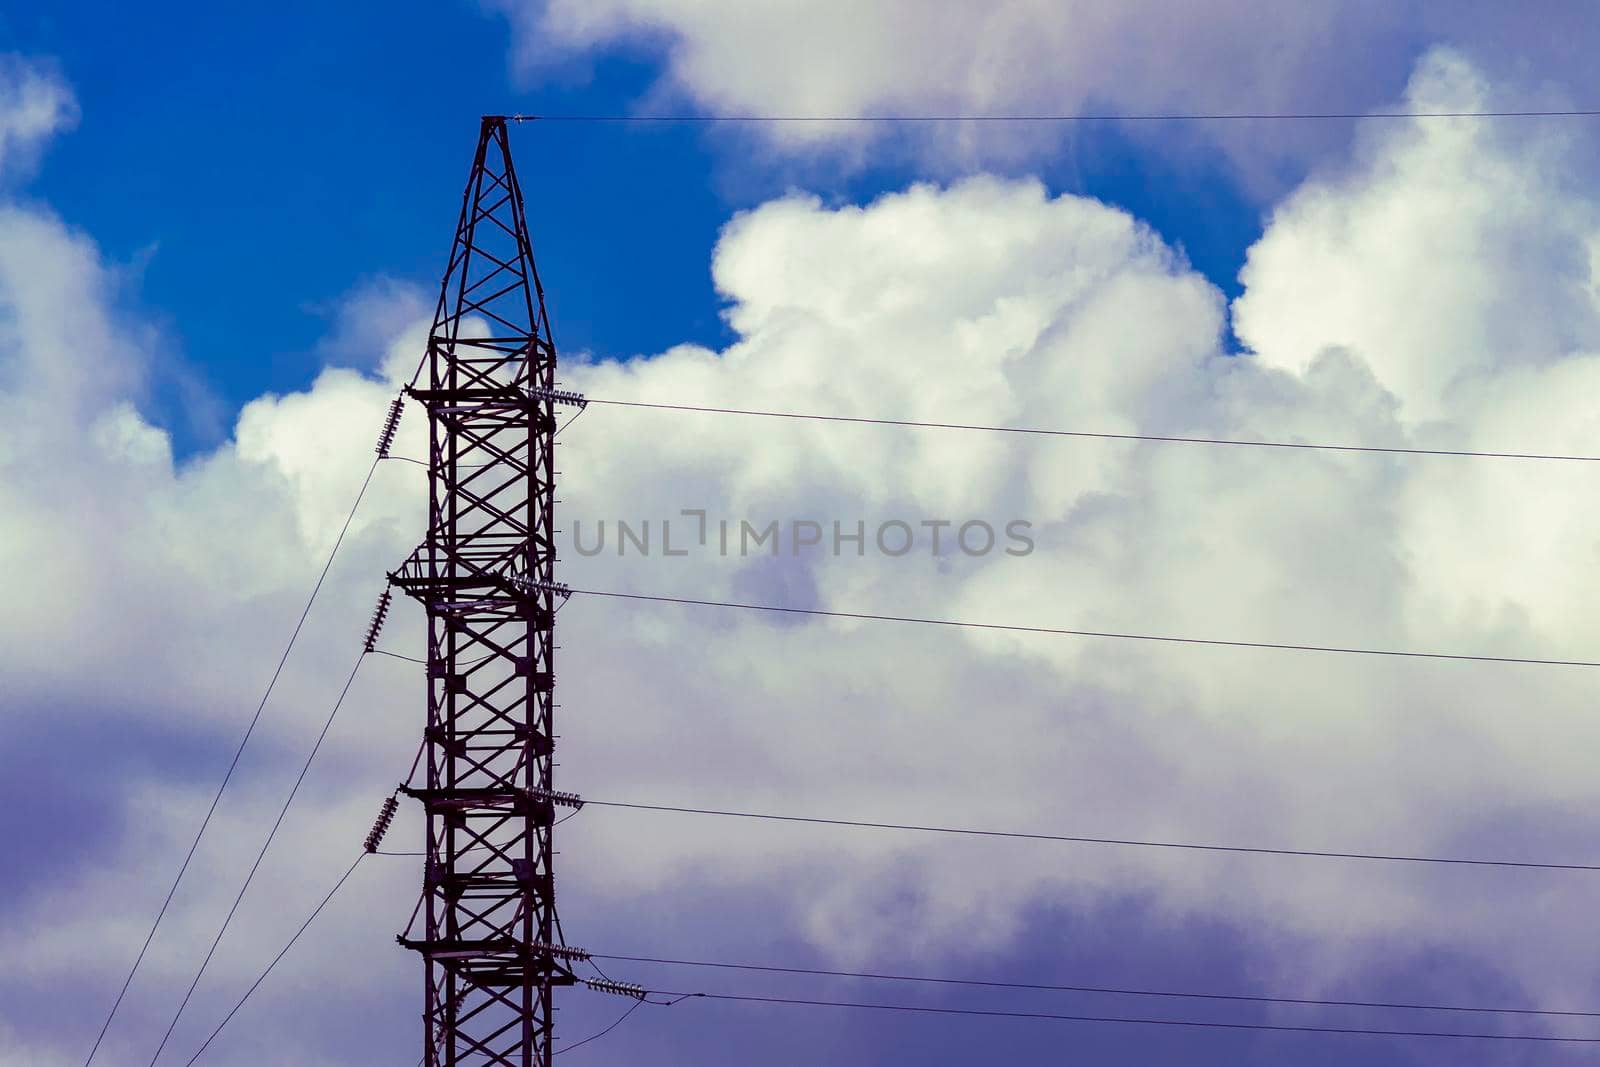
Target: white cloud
column 162, row 591
column 1053, row 57
column 34, row 103
column 1449, row 253
column 991, row 302
column 363, row 320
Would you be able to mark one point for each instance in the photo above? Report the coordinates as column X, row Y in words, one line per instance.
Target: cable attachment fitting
column 391, row 423
column 621, row 989
column 552, row 796
column 375, row 627
column 380, row 825
column 558, row 396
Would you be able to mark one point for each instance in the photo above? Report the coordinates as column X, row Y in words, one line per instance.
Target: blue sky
column 252, row 167
column 211, row 256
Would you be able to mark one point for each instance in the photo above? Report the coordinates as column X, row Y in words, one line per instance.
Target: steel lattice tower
column 484, row 573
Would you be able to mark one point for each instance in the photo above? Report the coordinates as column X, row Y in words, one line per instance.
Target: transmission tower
column 491, row 943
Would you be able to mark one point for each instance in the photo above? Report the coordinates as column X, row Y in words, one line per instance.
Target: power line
column 262, row 977
column 468, row 848
column 1134, row 1021
column 423, row 662
column 1060, row 631
column 1079, row 839
column 232, row 765
column 1113, row 990
column 990, row 1013
column 1042, row 432
column 260, row 855
column 618, row 1021
column 424, row 463
column 1298, row 116
column 397, row 655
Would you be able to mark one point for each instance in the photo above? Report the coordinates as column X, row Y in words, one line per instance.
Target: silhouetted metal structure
column 491, row 942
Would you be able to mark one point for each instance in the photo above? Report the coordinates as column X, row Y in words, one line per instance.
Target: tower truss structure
column 490, row 939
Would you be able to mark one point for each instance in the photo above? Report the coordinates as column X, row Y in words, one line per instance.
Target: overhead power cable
column 1204, row 1024
column 679, row 996
column 618, row 1021
column 423, row 662
column 232, row 765
column 468, row 848
column 1080, row 839
column 996, row 1014
column 397, row 655
column 373, row 840
column 1045, row 117
column 1061, row 631
column 1110, row 990
column 262, row 977
column 1043, row 432
column 260, row 855
column 425, row 463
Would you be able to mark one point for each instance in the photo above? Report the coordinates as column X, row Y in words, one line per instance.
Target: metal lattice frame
column 485, row 575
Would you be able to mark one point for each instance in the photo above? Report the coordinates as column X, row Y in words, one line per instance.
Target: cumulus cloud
column 993, row 302
column 157, row 593
column 34, row 103
column 363, row 321
column 1447, row 253
column 1051, row 57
